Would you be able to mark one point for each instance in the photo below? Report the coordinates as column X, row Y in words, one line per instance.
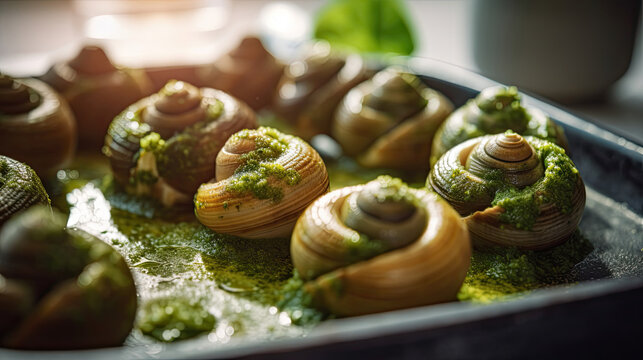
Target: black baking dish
column 598, row 316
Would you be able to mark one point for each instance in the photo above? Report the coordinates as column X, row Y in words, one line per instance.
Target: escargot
column 248, row 72
column 164, row 145
column 66, row 289
column 513, row 191
column 313, row 86
column 390, row 121
column 20, row 188
column 264, row 180
column 96, row 91
column 380, row 246
column 36, row 125
column 494, row 110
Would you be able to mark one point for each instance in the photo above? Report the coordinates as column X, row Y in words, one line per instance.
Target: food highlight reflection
column 193, row 281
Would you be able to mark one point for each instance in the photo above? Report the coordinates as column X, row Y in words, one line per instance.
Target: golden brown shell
column 258, row 201
column 390, row 121
column 36, row 125
column 313, row 86
column 96, row 91
column 75, row 291
column 512, row 191
column 430, row 269
column 248, row 72
column 191, row 124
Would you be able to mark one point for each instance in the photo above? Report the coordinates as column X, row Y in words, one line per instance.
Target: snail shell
column 264, row 180
column 96, row 91
column 191, row 126
column 36, row 125
column 312, row 88
column 390, row 121
column 512, row 191
column 411, row 249
column 248, row 72
column 20, row 188
column 78, row 291
column 494, row 110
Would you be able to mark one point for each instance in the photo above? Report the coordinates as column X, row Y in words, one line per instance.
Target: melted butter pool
column 194, row 282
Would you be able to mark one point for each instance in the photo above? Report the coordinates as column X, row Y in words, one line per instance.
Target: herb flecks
column 259, row 174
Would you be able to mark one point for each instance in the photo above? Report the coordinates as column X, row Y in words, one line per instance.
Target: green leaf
column 369, row 26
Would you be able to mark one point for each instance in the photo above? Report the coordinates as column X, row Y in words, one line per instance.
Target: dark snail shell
column 390, row 121
column 313, row 86
column 261, row 198
column 20, row 188
column 77, row 292
column 96, row 91
column 191, row 125
column 379, row 247
column 512, row 191
column 248, row 72
column 494, row 110
column 36, row 125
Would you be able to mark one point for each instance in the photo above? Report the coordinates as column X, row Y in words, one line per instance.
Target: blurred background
column 586, row 55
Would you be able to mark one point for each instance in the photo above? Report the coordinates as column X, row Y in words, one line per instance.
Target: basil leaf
column 380, row 26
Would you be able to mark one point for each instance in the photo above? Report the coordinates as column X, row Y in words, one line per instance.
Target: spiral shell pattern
column 390, row 121
column 36, row 125
column 75, row 291
column 264, row 180
column 183, row 127
column 16, row 97
column 512, row 191
column 20, row 188
column 313, row 86
column 494, row 110
column 179, row 106
column 347, row 276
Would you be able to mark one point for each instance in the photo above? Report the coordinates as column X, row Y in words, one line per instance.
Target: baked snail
column 264, row 180
column 390, row 121
column 512, row 191
column 96, row 91
column 36, row 125
column 248, row 72
column 164, row 145
column 380, row 246
column 312, row 88
column 20, row 188
column 494, row 110
column 61, row 288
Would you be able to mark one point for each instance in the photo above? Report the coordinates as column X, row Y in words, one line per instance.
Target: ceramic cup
column 566, row 50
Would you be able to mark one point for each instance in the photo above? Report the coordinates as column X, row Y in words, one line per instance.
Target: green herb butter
column 222, row 286
column 259, row 172
column 522, row 205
